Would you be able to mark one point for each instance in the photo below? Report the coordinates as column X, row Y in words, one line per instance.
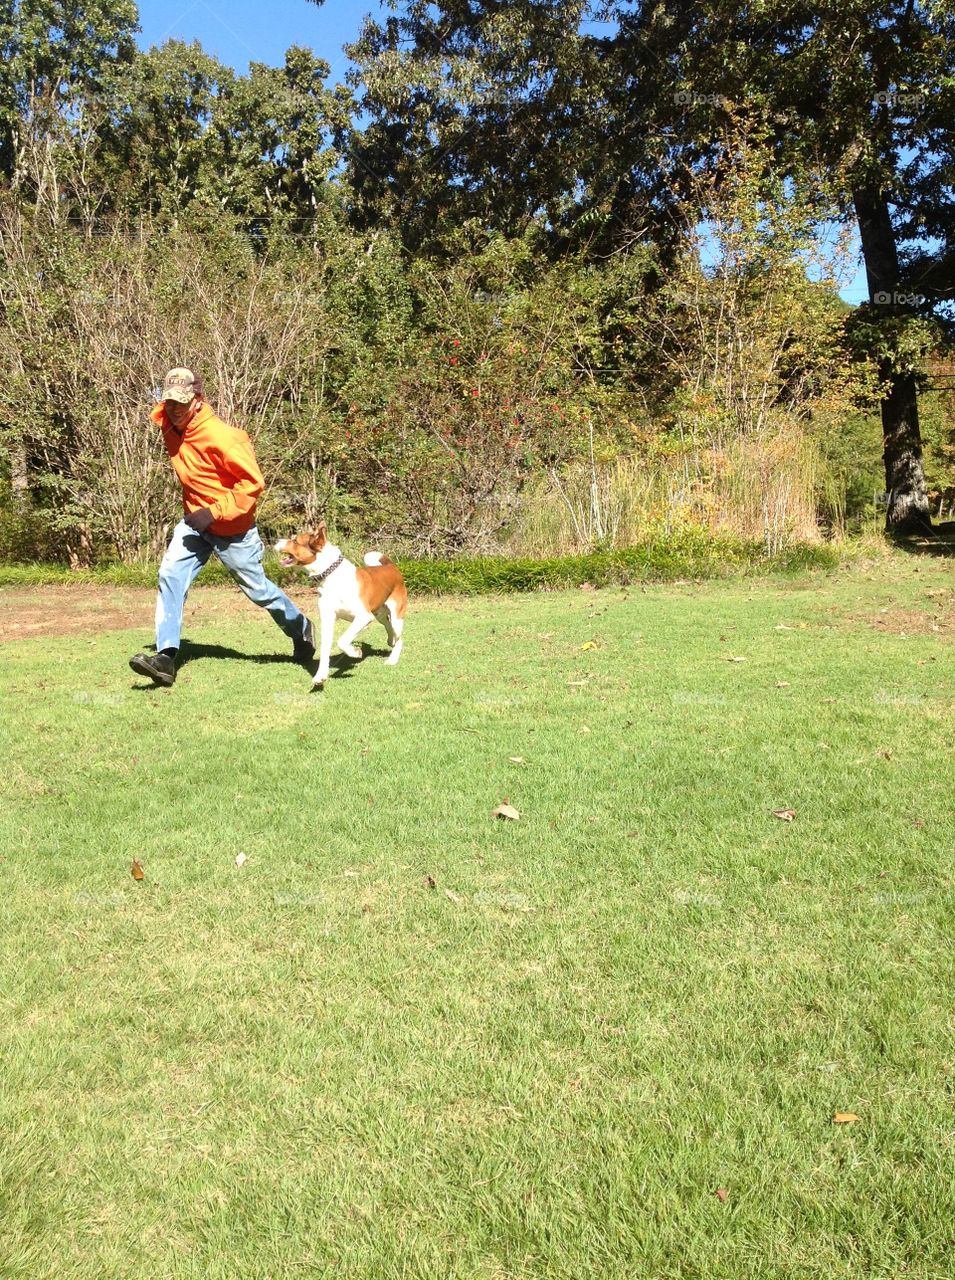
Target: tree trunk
column 907, row 502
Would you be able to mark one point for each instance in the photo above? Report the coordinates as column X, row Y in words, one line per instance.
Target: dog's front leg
column 326, row 622
column 347, row 641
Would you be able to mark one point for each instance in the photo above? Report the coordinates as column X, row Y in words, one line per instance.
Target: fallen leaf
column 137, row 870
column 844, row 1117
column 517, row 759
column 589, row 644
column 786, row 815
column 239, row 859
column 452, row 896
column 728, row 658
column 721, row 1193
column 585, row 728
column 781, row 626
column 505, row 811
column 430, row 881
column 782, row 684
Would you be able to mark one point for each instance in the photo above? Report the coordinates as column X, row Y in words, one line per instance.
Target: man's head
column 181, row 395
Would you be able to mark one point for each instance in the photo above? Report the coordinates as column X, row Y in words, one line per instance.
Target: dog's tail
column 374, row 558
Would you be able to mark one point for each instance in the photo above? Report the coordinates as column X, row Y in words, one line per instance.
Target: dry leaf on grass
column 430, row 881
column 786, row 815
column 137, row 870
column 505, row 810
column 452, row 896
column 721, row 1193
column 730, row 658
column 589, row 644
column 782, row 684
column 844, row 1117
column 517, row 759
column 239, row 859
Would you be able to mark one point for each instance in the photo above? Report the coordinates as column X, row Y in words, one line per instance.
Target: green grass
column 646, row 989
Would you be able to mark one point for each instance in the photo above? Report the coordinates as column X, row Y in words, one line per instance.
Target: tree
column 858, row 92
column 522, row 111
column 52, row 52
column 180, row 126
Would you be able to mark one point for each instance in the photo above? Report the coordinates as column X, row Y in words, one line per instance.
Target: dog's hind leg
column 396, row 628
column 384, row 617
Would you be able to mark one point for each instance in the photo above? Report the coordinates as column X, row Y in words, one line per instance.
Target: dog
column 376, row 590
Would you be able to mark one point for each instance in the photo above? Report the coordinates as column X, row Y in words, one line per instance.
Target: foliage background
column 431, row 349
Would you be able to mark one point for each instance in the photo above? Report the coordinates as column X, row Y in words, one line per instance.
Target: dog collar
column 320, row 578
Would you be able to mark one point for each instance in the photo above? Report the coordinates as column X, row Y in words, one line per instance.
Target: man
column 221, row 482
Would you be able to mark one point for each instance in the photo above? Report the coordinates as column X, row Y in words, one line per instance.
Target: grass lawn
column 407, row 1039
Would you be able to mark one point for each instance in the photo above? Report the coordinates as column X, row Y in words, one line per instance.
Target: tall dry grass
column 761, row 489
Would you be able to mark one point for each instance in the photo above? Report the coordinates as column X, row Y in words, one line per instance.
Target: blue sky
column 239, row 31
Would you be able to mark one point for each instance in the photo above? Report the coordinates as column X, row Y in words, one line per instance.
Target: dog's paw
column 319, row 679
column 351, row 650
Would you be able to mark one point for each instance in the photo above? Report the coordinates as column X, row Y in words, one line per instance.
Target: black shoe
column 157, row 666
column 304, row 649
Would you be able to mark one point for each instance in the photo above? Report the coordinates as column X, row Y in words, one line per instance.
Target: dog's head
column 303, row 549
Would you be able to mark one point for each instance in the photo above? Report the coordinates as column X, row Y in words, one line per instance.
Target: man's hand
column 200, row 520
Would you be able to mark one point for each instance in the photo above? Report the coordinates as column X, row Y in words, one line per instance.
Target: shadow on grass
column 341, row 665
column 938, row 542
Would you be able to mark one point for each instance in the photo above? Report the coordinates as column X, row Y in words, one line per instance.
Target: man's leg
column 242, row 556
column 187, row 552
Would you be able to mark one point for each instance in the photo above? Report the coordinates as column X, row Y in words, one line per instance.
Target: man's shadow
column 340, row 666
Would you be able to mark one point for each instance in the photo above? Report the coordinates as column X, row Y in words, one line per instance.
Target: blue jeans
column 241, row 553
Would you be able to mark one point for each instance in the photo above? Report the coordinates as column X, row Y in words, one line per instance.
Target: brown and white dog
column 346, row 591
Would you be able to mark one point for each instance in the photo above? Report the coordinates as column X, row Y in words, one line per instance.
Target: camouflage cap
column 181, row 385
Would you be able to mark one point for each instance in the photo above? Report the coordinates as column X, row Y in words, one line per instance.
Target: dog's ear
column 318, row 538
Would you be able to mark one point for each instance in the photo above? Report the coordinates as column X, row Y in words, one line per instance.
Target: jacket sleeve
column 239, row 462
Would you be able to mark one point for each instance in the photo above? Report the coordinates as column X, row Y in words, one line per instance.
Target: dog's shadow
column 341, row 667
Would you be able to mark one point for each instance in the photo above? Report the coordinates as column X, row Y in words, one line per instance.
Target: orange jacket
column 216, row 467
